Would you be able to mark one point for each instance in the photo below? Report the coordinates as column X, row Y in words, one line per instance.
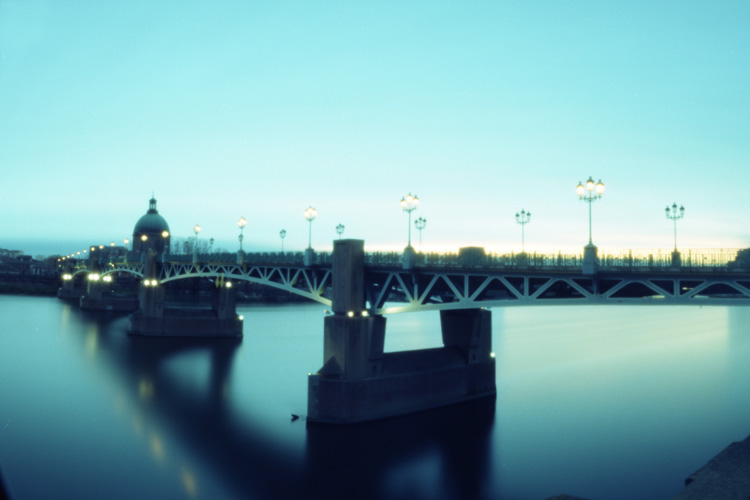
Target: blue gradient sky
column 259, row 109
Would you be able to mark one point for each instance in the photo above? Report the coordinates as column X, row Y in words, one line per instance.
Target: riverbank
column 727, row 475
column 25, row 286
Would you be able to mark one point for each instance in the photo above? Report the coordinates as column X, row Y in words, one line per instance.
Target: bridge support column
column 359, row 382
column 409, row 258
column 68, row 291
column 590, row 259
column 155, row 319
column 95, row 287
column 676, row 259
column 309, row 258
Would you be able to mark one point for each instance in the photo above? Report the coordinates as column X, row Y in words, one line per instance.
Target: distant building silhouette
column 151, row 231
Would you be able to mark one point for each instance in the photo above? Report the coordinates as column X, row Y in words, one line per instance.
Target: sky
column 254, row 109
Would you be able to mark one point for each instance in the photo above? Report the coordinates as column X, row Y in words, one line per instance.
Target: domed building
column 151, row 231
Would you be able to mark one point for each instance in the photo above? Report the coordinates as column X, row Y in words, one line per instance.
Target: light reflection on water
column 602, row 402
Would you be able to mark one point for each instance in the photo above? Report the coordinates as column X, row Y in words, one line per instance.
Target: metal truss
column 389, row 290
column 134, row 268
column 310, row 282
column 396, row 291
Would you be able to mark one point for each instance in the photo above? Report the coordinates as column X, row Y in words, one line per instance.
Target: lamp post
column 340, row 230
column 310, row 215
column 282, row 235
column 126, row 241
column 523, row 218
column 409, row 204
column 590, row 193
column 197, row 230
column 164, row 246
column 241, row 223
column 674, row 214
column 420, row 224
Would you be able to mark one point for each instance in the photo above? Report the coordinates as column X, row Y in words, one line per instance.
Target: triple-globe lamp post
column 420, row 224
column 523, row 217
column 674, row 214
column 310, row 215
column 409, row 203
column 340, row 230
column 590, row 193
column 282, row 235
column 241, row 224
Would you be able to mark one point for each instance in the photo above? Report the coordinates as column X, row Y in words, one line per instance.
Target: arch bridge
column 451, row 282
column 358, row 380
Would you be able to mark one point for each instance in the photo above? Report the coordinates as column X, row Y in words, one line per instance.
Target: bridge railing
column 690, row 258
column 613, row 259
column 708, row 259
column 254, row 258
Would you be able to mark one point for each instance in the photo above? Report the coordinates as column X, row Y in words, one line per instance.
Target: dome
column 151, row 223
column 151, row 231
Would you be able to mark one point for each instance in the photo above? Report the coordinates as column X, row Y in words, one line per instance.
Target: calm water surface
column 602, row 402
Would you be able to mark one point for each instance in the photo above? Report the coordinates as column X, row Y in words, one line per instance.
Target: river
column 602, row 402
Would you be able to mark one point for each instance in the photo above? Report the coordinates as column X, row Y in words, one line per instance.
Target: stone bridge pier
column 359, row 382
column 154, row 318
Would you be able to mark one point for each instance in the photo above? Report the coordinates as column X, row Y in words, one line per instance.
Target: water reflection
column 439, row 454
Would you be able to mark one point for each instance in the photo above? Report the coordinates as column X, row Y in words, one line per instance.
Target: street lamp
column 282, row 235
column 523, row 218
column 164, row 246
column 409, row 204
column 590, row 193
column 420, row 224
column 310, row 215
column 340, row 230
column 197, row 230
column 241, row 223
column 673, row 214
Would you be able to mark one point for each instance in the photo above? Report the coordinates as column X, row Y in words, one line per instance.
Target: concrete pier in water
column 154, row 318
column 359, row 382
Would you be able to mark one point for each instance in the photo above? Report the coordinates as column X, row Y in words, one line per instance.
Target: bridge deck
column 707, row 278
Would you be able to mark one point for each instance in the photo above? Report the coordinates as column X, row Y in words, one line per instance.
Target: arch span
column 306, row 282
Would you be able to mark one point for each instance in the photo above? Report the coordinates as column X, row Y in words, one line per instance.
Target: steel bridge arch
column 314, row 281
column 134, row 269
column 132, row 272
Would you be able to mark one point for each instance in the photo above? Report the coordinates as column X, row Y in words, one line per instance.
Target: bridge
column 358, row 381
column 473, row 279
